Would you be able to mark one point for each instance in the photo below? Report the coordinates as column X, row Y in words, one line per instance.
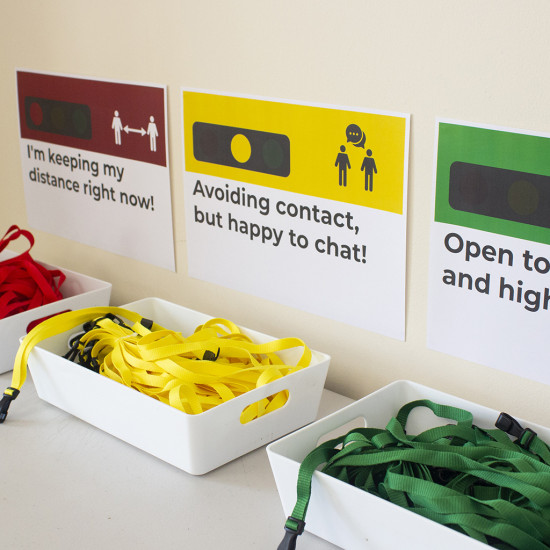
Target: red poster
column 118, row 119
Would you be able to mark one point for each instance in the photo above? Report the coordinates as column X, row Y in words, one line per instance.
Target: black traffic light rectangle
column 500, row 193
column 58, row 117
column 269, row 153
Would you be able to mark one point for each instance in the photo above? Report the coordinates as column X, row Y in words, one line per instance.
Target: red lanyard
column 24, row 283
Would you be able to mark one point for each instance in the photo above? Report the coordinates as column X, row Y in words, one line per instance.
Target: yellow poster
column 302, row 204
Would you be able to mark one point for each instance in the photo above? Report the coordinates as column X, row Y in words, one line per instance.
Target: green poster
column 494, row 180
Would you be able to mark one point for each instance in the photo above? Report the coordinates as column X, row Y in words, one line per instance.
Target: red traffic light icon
column 58, row 117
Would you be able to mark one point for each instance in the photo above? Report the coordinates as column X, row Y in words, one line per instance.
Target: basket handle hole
column 264, row 406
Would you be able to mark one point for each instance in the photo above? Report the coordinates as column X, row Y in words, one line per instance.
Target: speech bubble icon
column 355, row 135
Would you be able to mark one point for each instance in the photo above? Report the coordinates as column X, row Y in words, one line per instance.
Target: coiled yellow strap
column 193, row 374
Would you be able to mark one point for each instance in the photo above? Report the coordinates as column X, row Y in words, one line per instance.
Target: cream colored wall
column 483, row 61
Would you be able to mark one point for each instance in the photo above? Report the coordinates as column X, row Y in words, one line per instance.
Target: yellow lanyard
column 193, row 374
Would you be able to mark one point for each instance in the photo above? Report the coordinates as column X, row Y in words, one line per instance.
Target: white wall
column 483, row 61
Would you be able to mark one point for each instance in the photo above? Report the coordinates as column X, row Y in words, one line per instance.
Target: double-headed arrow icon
column 141, row 131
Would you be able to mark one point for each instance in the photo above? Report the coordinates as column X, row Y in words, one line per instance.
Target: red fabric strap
column 24, row 283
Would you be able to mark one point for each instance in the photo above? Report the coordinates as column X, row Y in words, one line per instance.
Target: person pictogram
column 117, row 127
column 369, row 167
column 342, row 161
column 152, row 132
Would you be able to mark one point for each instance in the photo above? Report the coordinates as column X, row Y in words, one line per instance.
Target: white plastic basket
column 78, row 291
column 350, row 517
column 194, row 443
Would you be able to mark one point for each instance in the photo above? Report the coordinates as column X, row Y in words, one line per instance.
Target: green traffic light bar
column 500, row 193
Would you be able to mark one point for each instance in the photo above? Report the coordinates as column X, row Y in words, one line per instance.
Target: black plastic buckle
column 291, row 535
column 147, row 323
column 73, row 343
column 211, row 356
column 5, row 402
column 511, row 426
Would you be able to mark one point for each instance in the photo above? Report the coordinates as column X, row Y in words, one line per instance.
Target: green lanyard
column 478, row 482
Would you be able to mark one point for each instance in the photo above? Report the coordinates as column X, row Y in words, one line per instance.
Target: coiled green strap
column 478, row 482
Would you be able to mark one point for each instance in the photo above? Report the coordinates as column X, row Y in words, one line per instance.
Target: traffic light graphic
column 500, row 193
column 254, row 150
column 58, row 117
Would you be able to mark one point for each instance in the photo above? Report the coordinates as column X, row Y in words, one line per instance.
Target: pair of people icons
column 151, row 131
column 368, row 166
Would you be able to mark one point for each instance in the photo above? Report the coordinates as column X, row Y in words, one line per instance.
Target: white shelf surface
column 65, row 484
